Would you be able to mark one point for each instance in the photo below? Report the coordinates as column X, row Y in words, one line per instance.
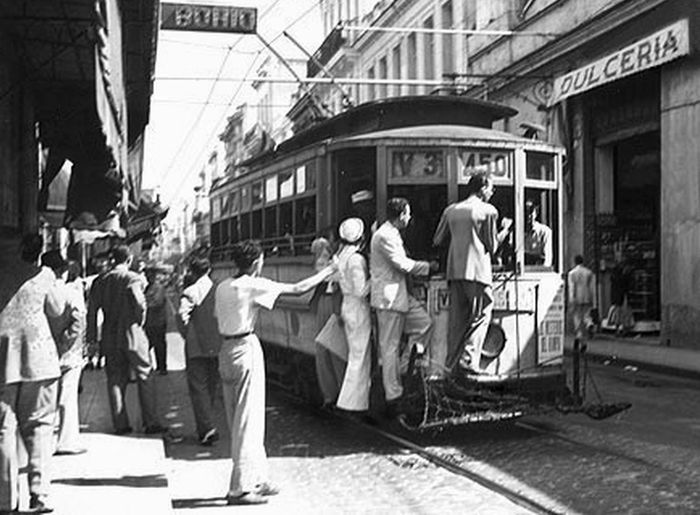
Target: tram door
column 354, row 174
column 427, row 203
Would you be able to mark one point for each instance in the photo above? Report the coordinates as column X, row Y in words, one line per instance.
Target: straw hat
column 351, row 230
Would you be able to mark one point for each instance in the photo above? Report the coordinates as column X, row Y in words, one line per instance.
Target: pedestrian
column 242, row 368
column 397, row 311
column 29, row 370
column 620, row 316
column 330, row 368
column 156, row 323
column 582, row 297
column 120, row 297
column 355, row 313
column 471, row 225
column 101, row 265
column 198, row 325
column 68, row 329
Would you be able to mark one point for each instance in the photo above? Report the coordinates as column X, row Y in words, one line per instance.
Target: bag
column 332, row 337
column 138, row 351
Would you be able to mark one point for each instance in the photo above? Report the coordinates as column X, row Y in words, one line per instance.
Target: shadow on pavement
column 211, row 502
column 149, row 481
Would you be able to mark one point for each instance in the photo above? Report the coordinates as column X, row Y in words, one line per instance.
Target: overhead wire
column 195, row 162
column 201, row 112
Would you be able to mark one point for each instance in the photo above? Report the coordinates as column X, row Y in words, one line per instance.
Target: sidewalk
column 643, row 351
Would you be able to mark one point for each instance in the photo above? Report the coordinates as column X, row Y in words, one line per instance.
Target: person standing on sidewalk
column 197, row 324
column 29, row 370
column 124, row 345
column 155, row 319
column 242, row 369
column 582, row 298
column 397, row 311
column 68, row 331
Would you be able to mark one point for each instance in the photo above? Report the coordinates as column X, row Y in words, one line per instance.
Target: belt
column 236, row 336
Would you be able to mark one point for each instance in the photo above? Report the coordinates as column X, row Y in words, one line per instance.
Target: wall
column 680, row 203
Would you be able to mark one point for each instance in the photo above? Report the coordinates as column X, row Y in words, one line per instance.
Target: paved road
column 645, row 460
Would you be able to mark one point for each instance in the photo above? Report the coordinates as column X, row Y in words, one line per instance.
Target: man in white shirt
column 242, row 369
column 538, row 238
column 582, row 297
column 397, row 311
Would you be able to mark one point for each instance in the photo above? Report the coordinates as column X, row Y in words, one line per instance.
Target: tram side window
column 224, row 231
column 541, row 227
column 286, row 228
column 233, row 229
column 257, row 228
column 245, row 226
column 306, row 216
column 270, row 222
column 215, row 239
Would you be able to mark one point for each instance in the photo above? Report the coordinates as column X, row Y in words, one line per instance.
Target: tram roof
column 404, row 111
column 446, row 132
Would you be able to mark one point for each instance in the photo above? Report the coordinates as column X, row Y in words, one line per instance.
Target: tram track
column 517, row 497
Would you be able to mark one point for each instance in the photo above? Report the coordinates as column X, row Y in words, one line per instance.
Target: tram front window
column 427, row 203
column 502, row 199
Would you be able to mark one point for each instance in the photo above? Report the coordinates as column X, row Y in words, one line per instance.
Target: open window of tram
column 499, row 165
column 420, row 176
column 355, row 172
column 541, row 212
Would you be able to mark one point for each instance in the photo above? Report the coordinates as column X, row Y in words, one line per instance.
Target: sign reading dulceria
column 209, row 18
column 659, row 48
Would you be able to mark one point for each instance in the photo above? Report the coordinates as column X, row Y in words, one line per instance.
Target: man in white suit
column 472, row 226
column 397, row 311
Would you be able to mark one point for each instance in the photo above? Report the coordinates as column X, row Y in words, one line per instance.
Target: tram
column 423, row 148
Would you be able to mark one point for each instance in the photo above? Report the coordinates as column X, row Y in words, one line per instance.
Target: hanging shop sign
column 209, row 18
column 661, row 47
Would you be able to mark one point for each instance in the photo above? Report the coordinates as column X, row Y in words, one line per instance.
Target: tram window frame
column 234, row 202
column 246, row 199
column 224, row 233
column 256, row 228
column 548, row 209
column 286, row 187
column 440, row 178
column 245, row 225
column 215, row 207
column 531, row 159
column 233, row 229
column 257, row 195
column 215, row 234
column 270, row 221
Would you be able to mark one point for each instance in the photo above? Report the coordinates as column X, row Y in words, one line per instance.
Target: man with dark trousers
column 474, row 239
column 198, row 325
column 120, row 296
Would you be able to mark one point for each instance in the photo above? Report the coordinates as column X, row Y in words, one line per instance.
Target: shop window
column 245, row 226
column 270, row 222
column 541, row 228
column 540, row 166
column 257, row 227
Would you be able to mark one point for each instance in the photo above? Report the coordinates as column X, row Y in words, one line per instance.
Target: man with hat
column 353, row 280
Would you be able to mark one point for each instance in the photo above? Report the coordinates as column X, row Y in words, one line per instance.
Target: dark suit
column 472, row 225
column 120, row 296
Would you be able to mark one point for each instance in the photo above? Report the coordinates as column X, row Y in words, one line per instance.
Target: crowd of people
column 50, row 317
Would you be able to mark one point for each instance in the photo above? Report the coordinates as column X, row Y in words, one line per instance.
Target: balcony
column 330, row 46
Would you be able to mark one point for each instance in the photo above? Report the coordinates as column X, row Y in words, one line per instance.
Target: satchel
column 138, row 352
column 332, row 337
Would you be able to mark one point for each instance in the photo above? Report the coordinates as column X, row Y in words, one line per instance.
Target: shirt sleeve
column 489, row 232
column 441, row 230
column 547, row 244
column 184, row 312
column 265, row 292
column 395, row 252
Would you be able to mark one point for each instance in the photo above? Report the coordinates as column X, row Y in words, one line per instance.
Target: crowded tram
column 424, row 149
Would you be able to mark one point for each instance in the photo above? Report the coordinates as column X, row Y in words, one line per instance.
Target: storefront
column 634, row 166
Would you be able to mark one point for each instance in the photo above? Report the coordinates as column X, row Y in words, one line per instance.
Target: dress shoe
column 246, row 498
column 69, row 452
column 8, row 512
column 39, row 504
column 154, row 429
column 163, row 372
column 209, row 437
column 267, row 489
column 123, row 431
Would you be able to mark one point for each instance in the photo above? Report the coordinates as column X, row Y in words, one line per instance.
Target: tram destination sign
column 209, row 18
column 661, row 47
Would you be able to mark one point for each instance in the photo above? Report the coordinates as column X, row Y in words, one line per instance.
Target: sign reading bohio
column 654, row 50
column 209, row 18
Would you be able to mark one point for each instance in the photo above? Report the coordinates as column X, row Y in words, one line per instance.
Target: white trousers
column 354, row 394
column 242, row 372
column 67, row 416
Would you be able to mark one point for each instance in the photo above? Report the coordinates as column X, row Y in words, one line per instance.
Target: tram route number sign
column 209, row 18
